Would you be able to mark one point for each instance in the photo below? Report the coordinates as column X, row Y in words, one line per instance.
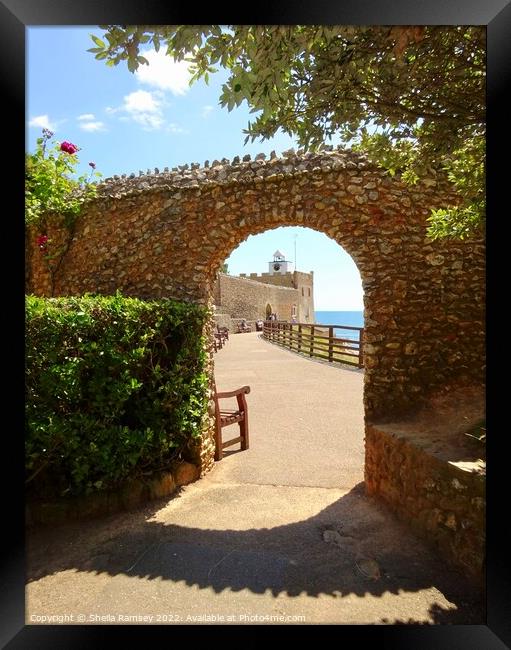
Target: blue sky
column 126, row 122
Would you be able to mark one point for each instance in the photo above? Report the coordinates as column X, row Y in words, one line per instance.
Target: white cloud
column 206, row 110
column 141, row 101
column 42, row 122
column 148, row 121
column 92, row 126
column 163, row 72
column 143, row 107
column 86, row 117
column 175, row 128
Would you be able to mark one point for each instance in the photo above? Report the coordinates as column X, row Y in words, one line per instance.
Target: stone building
column 289, row 294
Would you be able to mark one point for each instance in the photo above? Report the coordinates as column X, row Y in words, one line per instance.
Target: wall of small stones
column 131, row 495
column 244, row 298
column 167, row 234
column 441, row 501
column 224, row 320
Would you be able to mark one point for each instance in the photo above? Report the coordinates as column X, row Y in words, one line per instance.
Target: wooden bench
column 223, row 331
column 224, row 417
column 222, row 334
column 218, row 339
column 244, row 327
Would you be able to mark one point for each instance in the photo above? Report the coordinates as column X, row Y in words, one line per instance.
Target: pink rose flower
column 42, row 240
column 68, row 147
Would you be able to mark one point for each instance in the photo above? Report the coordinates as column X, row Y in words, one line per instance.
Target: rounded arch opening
column 312, row 266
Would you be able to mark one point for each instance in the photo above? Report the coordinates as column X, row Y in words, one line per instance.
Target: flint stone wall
column 442, row 501
column 224, row 320
column 167, row 234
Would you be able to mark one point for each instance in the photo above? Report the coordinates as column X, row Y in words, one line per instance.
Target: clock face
column 276, row 267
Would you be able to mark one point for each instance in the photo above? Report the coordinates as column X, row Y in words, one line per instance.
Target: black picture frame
column 15, row 17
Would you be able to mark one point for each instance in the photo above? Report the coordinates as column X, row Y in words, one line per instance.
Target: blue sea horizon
column 349, row 318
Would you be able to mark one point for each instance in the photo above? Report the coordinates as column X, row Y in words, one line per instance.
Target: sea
column 351, row 318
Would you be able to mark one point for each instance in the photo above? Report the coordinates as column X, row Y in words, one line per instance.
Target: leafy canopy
column 412, row 97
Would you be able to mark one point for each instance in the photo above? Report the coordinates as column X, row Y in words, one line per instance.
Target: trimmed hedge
column 116, row 388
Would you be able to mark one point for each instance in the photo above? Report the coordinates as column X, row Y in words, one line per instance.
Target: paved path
column 282, row 532
column 306, row 417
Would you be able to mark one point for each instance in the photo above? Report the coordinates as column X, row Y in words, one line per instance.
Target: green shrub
column 115, row 389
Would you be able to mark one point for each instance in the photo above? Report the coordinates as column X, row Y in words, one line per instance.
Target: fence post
column 330, row 346
column 361, row 349
column 311, row 347
column 299, row 338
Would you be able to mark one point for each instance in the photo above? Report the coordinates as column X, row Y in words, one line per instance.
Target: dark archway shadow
column 293, row 559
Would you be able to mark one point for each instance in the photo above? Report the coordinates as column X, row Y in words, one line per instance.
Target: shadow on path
column 293, row 558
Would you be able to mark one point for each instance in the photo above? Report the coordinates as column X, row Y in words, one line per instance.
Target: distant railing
column 317, row 341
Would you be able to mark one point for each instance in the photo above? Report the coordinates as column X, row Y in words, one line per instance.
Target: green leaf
column 98, row 41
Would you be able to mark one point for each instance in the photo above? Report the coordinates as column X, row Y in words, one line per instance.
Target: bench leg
column 244, row 434
column 218, row 444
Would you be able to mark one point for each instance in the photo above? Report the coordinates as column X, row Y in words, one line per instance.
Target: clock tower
column 279, row 265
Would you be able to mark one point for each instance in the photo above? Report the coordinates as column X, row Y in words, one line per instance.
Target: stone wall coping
column 256, row 282
column 232, row 172
column 472, row 467
column 266, row 274
column 475, row 468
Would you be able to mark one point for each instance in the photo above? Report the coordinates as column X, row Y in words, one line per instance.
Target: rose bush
column 49, row 183
column 51, row 190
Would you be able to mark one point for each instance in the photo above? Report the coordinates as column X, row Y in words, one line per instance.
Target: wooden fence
column 317, row 341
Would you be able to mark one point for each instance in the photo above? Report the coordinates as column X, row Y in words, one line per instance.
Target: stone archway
column 166, row 235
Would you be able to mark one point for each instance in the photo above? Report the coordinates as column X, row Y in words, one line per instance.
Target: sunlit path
column 306, row 418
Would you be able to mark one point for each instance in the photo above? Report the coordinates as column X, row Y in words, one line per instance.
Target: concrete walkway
column 306, row 417
column 280, row 533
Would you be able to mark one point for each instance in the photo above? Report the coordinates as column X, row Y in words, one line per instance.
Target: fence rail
column 317, row 341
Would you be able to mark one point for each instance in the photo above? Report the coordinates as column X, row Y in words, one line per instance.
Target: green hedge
column 115, row 389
